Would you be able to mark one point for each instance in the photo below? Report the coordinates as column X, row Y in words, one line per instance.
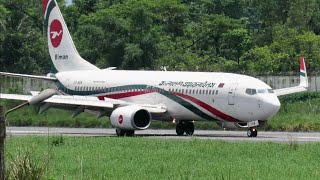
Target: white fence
column 277, row 82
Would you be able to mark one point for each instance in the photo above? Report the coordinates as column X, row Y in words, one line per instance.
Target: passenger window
column 216, row 92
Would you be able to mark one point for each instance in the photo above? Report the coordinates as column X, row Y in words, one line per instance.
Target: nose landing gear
column 185, row 127
column 252, row 132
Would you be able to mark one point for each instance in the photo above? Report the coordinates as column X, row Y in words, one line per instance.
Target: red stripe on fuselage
column 208, row 108
column 123, row 95
column 190, row 98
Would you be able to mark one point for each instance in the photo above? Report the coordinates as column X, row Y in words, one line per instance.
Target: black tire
column 252, row 132
column 180, row 129
column 189, row 128
column 120, row 132
column 130, row 132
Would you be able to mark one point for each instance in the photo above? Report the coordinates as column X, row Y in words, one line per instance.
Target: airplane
column 132, row 99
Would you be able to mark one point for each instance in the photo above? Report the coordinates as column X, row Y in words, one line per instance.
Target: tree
column 300, row 13
column 23, row 48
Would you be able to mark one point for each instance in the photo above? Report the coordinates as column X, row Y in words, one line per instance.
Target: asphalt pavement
column 231, row 136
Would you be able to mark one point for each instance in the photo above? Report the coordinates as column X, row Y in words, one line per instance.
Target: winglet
column 303, row 74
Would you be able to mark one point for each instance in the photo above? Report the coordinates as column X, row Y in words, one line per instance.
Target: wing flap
column 79, row 101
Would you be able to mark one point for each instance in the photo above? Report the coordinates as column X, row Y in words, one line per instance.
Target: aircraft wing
column 28, row 76
column 89, row 103
column 291, row 90
column 303, row 82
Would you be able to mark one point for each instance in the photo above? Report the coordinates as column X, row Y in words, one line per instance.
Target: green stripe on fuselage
column 173, row 97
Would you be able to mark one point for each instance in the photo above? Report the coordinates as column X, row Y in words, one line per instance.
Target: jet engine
column 130, row 118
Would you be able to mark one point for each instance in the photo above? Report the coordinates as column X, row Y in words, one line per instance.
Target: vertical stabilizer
column 303, row 73
column 63, row 52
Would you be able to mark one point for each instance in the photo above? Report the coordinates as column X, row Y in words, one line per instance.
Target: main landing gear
column 121, row 132
column 184, row 127
column 252, row 132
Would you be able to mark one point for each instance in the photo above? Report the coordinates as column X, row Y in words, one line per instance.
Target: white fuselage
column 187, row 95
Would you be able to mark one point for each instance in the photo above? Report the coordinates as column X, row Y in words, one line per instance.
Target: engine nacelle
column 232, row 125
column 130, row 118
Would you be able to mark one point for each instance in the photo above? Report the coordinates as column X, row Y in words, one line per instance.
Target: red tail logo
column 56, row 33
column 302, row 63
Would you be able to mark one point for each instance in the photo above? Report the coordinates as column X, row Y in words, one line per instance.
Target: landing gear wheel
column 120, row 132
column 252, row 132
column 185, row 127
column 180, row 128
column 130, row 132
column 189, row 128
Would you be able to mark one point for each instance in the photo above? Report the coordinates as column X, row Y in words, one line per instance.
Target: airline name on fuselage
column 61, row 57
column 205, row 84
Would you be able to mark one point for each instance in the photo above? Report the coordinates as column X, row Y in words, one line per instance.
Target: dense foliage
column 244, row 36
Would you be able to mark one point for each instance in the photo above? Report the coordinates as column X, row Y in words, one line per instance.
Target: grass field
column 140, row 158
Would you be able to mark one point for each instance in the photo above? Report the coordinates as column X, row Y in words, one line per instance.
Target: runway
column 230, row 136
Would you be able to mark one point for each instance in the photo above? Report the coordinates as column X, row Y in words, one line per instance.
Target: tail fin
column 63, row 52
column 303, row 73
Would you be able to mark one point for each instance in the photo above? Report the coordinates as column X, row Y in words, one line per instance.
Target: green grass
column 140, row 158
column 298, row 112
column 299, row 115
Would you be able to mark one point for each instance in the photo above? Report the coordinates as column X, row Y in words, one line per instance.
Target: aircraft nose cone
column 271, row 105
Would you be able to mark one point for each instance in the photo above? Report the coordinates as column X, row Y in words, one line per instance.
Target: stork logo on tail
column 56, row 33
column 120, row 119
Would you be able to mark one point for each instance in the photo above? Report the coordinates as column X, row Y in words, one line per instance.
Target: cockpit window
column 270, row 91
column 261, row 91
column 251, row 91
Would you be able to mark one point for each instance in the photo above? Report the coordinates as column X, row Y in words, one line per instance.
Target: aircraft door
column 232, row 93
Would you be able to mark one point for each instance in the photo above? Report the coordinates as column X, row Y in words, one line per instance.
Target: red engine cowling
column 130, row 118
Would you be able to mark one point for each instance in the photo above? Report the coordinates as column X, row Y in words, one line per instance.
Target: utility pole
column 2, row 139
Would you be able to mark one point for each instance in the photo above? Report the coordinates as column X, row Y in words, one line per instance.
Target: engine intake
column 130, row 118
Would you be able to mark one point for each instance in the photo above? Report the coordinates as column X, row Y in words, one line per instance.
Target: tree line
column 255, row 37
